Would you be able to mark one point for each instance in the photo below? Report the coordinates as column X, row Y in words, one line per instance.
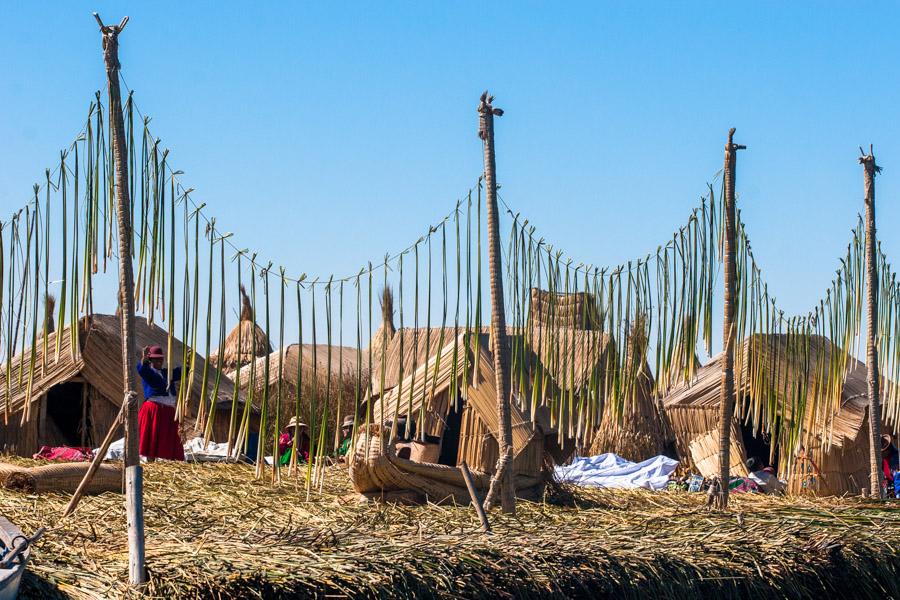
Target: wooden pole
column 502, row 481
column 870, row 169
column 134, row 488
column 476, row 502
column 726, row 408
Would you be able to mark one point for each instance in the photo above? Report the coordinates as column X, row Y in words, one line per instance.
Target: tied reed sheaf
column 211, row 533
column 581, row 336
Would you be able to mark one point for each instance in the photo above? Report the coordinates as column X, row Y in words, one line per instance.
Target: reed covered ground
column 212, row 532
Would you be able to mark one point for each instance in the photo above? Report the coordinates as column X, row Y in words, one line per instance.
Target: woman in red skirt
column 156, row 419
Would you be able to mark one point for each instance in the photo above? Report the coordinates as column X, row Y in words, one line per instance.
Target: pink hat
column 155, row 352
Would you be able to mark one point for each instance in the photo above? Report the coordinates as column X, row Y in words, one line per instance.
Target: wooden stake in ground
column 502, row 481
column 726, row 408
column 476, row 502
column 134, row 488
column 870, row 169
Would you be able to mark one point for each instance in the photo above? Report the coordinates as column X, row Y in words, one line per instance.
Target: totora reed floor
column 214, row 532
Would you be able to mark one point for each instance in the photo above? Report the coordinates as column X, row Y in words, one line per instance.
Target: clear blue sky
column 326, row 135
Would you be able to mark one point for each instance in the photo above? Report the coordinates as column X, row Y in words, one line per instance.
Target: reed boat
column 379, row 472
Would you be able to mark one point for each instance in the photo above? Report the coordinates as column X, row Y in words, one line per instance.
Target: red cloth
column 159, row 432
column 285, row 441
column 65, row 453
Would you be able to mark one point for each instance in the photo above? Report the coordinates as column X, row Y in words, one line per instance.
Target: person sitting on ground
column 890, row 462
column 298, row 429
column 764, row 478
column 346, row 437
column 159, row 437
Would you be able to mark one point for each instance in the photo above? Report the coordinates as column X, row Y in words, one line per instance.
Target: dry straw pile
column 214, row 533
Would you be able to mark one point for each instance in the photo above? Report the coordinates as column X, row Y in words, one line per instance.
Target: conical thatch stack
column 637, row 431
column 253, row 340
column 382, row 337
column 564, row 311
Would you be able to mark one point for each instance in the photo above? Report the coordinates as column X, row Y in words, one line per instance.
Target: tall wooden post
column 726, row 408
column 870, row 169
column 502, row 481
column 134, row 488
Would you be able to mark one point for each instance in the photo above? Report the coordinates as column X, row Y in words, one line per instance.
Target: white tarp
column 196, row 451
column 116, row 450
column 613, row 471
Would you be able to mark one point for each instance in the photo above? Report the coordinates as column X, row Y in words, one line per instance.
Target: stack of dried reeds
column 210, row 533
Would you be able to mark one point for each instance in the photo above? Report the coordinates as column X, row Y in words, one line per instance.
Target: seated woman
column 159, row 437
column 764, row 478
column 890, row 463
column 286, row 442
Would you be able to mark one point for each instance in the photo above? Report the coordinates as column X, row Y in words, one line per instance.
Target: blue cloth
column 156, row 383
column 613, row 471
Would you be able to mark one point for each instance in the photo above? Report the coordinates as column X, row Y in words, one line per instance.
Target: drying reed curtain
column 582, row 336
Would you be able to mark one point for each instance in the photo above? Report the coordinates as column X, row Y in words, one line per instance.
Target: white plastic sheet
column 612, row 471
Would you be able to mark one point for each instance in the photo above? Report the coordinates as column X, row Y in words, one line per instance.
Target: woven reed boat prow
column 378, row 473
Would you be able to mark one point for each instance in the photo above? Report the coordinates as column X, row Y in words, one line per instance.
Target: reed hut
column 451, row 399
column 306, row 370
column 244, row 343
column 833, row 464
column 74, row 397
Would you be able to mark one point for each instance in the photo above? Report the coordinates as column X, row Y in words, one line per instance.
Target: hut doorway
column 759, row 445
column 67, row 416
column 452, row 430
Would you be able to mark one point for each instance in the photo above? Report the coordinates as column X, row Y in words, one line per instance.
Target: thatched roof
column 285, row 364
column 253, row 340
column 701, row 396
column 436, row 375
column 572, row 356
column 385, row 332
column 418, row 345
column 97, row 358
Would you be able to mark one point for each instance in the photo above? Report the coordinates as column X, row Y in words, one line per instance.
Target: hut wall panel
column 19, row 440
column 841, row 470
column 103, row 414
column 531, row 459
column 476, row 446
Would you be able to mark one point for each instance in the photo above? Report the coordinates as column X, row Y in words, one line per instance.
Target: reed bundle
column 64, row 478
column 211, row 533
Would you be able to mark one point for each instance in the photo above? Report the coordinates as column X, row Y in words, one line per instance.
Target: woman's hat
column 155, row 352
column 294, row 422
column 348, row 422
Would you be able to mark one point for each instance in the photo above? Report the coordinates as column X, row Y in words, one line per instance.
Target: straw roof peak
column 253, row 340
column 387, row 311
column 246, row 309
column 49, row 308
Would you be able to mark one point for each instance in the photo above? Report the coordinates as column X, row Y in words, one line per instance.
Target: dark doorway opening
column 759, row 445
column 67, row 415
column 452, row 430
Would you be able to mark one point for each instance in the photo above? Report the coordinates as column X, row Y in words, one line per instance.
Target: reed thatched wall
column 691, row 409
